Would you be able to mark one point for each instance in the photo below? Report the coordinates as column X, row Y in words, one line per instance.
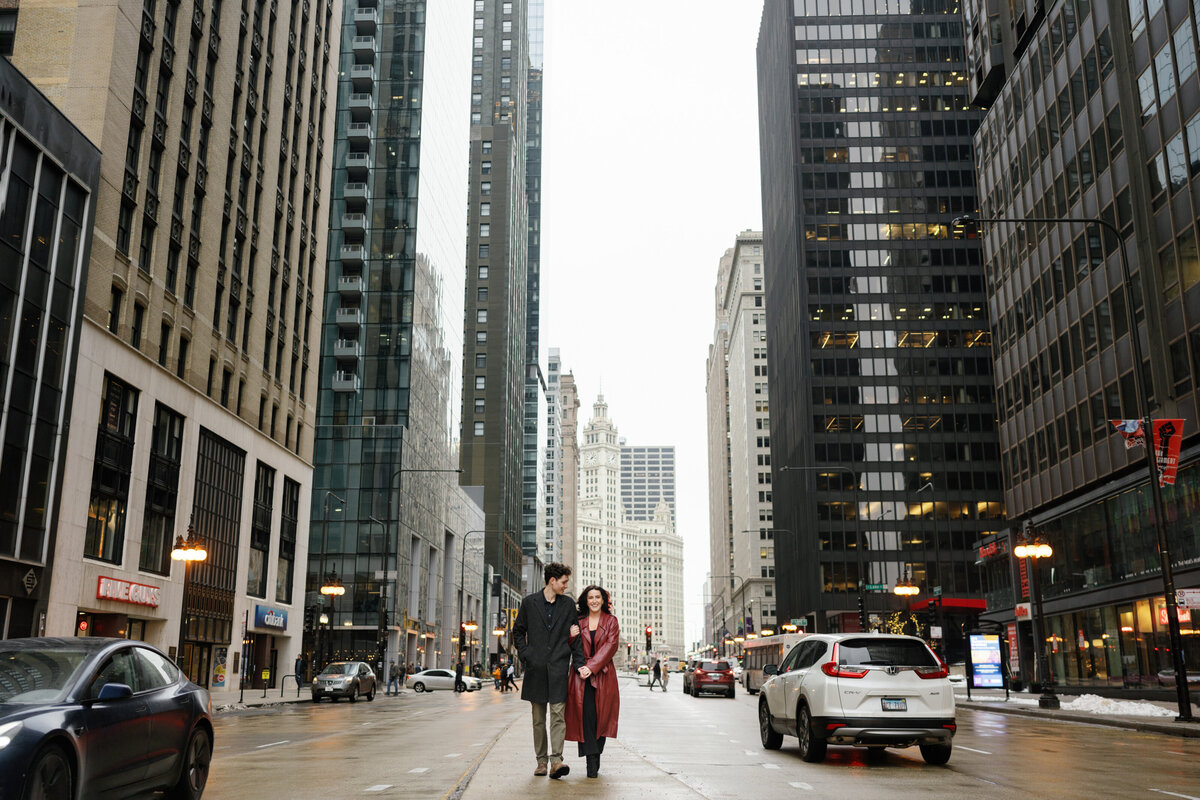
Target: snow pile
column 1093, row 704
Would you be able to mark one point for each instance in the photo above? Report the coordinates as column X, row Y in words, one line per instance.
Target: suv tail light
column 832, row 669
column 931, row 673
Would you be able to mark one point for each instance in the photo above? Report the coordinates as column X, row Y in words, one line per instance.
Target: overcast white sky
column 649, row 171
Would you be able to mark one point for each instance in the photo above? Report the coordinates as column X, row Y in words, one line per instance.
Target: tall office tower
column 551, row 545
column 608, row 545
column 661, row 589
column 49, row 173
column 743, row 566
column 647, row 478
column 494, row 328
column 393, row 520
column 884, row 453
column 194, row 392
column 569, row 470
column 533, row 499
column 1093, row 111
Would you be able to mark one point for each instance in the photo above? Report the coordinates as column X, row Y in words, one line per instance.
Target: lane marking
column 800, row 785
column 452, row 755
column 418, row 769
column 378, row 787
column 973, row 750
column 1176, row 794
column 368, row 723
column 770, row 766
column 272, row 744
column 751, row 753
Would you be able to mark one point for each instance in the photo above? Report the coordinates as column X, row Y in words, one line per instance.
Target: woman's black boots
column 593, row 766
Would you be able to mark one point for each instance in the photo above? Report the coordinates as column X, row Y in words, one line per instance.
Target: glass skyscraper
column 882, row 415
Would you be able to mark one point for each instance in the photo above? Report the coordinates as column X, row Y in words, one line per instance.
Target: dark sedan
column 93, row 717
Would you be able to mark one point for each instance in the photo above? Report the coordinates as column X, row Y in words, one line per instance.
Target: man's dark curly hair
column 554, row 571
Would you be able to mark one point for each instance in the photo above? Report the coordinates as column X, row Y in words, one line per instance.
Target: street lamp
column 906, row 588
column 1038, row 550
column 742, row 589
column 1141, row 385
column 470, row 626
column 858, row 543
column 188, row 551
column 462, row 585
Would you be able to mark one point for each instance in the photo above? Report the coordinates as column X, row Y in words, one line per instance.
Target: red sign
column 1131, row 429
column 127, row 592
column 1168, row 435
column 1014, row 653
column 1185, row 615
column 1023, row 569
column 988, row 550
column 1022, row 611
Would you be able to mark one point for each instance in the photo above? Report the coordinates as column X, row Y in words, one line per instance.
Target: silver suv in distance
column 865, row 690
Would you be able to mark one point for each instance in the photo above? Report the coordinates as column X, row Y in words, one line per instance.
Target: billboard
column 985, row 662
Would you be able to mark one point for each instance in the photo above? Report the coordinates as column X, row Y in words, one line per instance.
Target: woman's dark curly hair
column 582, row 605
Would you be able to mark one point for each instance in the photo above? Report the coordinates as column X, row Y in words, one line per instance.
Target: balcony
column 347, row 349
column 358, row 165
column 364, row 49
column 365, row 20
column 362, row 77
column 350, row 286
column 359, row 134
column 361, row 106
column 353, row 254
column 356, row 196
column 345, row 382
column 350, row 317
column 354, row 224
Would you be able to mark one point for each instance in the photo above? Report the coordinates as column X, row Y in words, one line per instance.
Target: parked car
column 350, row 679
column 431, row 679
column 872, row 690
column 85, row 717
column 712, row 676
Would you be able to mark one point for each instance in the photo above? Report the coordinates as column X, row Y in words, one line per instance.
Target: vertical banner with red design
column 1167, row 435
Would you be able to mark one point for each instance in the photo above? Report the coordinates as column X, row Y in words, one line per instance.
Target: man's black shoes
column 559, row 770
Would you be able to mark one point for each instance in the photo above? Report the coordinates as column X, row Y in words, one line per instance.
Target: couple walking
column 570, row 679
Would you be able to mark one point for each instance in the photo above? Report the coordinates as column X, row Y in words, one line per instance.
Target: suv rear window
column 885, row 652
column 714, row 666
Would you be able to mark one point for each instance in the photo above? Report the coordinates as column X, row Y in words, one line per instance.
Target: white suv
column 866, row 690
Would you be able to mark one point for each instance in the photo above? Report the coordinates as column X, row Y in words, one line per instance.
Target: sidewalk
column 227, row 703
column 509, row 758
column 1150, row 716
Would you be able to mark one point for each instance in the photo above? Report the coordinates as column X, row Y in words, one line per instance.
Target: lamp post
column 937, row 563
column 1038, row 550
column 188, row 551
column 742, row 589
column 1141, row 386
column 858, row 543
column 462, row 586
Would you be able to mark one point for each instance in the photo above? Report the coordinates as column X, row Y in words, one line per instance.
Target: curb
column 1185, row 730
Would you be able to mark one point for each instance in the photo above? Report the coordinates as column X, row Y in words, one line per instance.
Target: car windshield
column 885, row 653
column 37, row 676
column 714, row 666
column 339, row 669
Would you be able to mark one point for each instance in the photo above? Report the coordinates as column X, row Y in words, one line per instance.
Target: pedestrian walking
column 510, row 678
column 459, row 686
column 393, row 685
column 666, row 676
column 656, row 675
column 496, row 677
column 402, row 672
column 594, row 699
column 542, row 636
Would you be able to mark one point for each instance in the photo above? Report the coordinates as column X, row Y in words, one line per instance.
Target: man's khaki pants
column 558, row 730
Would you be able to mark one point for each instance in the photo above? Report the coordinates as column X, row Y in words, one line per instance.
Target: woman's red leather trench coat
column 603, row 677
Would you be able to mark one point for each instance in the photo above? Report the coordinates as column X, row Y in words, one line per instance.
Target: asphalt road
column 426, row 746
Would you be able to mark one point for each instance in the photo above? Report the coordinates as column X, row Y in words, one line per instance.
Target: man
column 459, row 686
column 510, row 678
column 393, row 686
column 541, row 635
column 656, row 676
column 401, row 673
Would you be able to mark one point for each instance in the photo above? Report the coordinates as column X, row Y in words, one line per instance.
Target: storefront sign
column 1022, row 611
column 127, row 592
column 267, row 617
column 985, row 662
column 1184, row 614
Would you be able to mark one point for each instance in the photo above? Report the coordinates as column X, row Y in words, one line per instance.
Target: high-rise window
column 260, row 531
column 288, row 524
column 105, row 537
column 158, row 522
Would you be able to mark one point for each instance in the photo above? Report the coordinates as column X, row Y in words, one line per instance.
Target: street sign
column 937, row 591
column 876, row 587
column 935, row 631
column 985, row 662
column 799, row 622
column 1188, row 598
column 803, row 623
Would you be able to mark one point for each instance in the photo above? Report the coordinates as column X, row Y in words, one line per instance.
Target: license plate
column 895, row 704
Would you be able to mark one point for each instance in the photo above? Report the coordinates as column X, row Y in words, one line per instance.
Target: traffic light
column 649, row 634
column 309, row 617
column 862, row 611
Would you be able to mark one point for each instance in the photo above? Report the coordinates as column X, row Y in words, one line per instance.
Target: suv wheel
column 812, row 748
column 771, row 739
column 936, row 753
column 371, row 694
column 354, row 694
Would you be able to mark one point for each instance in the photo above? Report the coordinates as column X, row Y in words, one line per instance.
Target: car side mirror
column 114, row 691
column 770, row 669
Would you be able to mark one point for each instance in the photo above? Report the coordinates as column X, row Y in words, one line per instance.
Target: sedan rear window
column 885, row 653
column 714, row 666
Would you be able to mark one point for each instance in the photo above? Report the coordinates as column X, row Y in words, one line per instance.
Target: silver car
column 351, row 679
column 430, row 679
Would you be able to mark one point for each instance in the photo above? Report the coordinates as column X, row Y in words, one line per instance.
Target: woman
column 593, row 699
